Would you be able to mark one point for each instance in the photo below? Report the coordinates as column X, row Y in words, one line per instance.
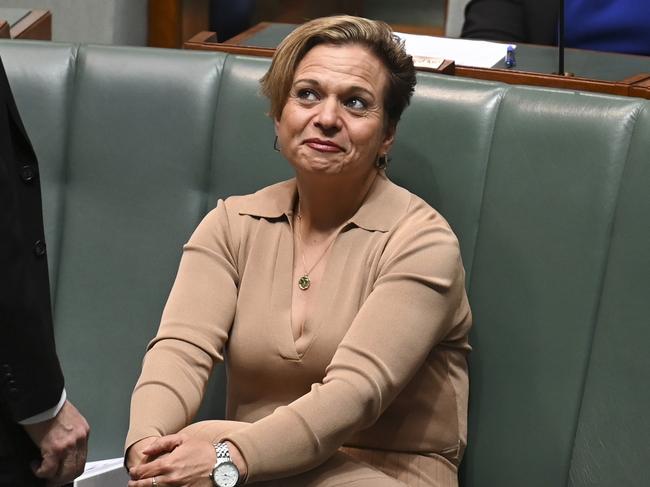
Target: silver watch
column 224, row 473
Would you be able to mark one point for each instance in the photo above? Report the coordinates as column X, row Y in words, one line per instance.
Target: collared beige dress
column 374, row 391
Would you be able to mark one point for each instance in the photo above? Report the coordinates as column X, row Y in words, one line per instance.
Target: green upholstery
column 611, row 444
column 546, row 189
column 545, row 224
column 136, row 189
column 441, row 129
column 243, row 133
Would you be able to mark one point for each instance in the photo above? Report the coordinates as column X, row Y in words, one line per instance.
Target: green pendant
column 304, row 283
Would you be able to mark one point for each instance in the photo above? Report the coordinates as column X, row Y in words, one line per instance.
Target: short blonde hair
column 375, row 35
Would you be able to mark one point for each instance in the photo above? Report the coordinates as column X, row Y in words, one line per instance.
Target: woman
column 337, row 297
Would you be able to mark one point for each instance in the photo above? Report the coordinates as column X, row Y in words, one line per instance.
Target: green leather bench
column 548, row 191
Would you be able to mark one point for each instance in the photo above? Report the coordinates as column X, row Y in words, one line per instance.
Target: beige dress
column 375, row 387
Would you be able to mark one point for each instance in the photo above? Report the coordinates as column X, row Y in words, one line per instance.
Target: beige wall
column 121, row 22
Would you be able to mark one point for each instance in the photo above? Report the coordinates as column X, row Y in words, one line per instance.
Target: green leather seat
column 546, row 189
column 611, row 444
column 554, row 169
column 442, row 149
column 138, row 166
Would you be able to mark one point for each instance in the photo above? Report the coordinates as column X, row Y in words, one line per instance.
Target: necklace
column 304, row 282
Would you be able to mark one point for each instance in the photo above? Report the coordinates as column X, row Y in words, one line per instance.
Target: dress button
column 28, row 173
column 39, row 248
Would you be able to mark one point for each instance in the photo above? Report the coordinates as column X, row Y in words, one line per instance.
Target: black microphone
column 560, row 39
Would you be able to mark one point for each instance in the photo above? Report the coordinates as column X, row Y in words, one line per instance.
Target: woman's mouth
column 323, row 145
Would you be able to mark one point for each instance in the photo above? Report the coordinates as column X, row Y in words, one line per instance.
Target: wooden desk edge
column 241, row 38
column 205, row 41
column 447, row 67
column 637, row 86
column 36, row 25
column 4, row 30
column 621, row 88
column 640, row 85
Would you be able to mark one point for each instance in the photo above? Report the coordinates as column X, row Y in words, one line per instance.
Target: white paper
column 426, row 62
column 464, row 52
column 103, row 473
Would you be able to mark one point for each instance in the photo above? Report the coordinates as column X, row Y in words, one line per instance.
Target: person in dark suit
column 607, row 25
column 230, row 17
column 529, row 21
column 43, row 438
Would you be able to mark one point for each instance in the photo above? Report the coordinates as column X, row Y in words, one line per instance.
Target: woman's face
column 334, row 120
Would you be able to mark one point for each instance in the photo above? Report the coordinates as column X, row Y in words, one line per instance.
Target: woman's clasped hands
column 173, row 460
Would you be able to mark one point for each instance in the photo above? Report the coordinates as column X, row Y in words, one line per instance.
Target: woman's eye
column 356, row 103
column 307, row 95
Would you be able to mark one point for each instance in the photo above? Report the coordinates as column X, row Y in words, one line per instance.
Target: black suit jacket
column 30, row 376
column 528, row 21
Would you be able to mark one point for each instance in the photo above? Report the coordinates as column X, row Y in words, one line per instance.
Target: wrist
column 37, row 431
column 134, row 454
column 226, row 472
column 238, row 460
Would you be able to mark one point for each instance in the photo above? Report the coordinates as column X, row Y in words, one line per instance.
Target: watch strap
column 223, row 457
column 223, row 453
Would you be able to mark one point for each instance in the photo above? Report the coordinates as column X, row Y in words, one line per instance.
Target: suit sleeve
column 495, row 20
column 418, row 300
column 30, row 375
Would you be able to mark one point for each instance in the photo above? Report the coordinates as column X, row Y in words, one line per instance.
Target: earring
column 382, row 161
column 276, row 147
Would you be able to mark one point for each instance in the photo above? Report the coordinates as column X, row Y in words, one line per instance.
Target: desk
column 4, row 29
column 172, row 22
column 618, row 74
column 27, row 24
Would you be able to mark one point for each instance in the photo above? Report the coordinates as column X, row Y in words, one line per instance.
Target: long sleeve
column 417, row 301
column 499, row 20
column 528, row 21
column 194, row 329
column 31, row 380
column 386, row 345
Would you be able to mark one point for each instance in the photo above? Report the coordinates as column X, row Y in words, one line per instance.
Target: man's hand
column 63, row 441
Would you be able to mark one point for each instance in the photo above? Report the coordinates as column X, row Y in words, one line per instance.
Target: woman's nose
column 328, row 117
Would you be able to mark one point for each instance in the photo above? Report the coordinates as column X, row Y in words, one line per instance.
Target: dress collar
column 384, row 205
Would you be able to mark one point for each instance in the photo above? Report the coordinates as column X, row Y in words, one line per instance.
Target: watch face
column 226, row 474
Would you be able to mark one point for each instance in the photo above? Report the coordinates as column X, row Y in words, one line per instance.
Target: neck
column 326, row 203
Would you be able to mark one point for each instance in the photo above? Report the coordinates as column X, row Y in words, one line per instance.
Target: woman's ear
column 389, row 138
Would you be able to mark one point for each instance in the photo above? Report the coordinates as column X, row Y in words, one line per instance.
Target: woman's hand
column 180, row 460
column 135, row 454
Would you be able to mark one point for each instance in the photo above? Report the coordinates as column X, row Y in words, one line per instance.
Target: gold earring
column 382, row 161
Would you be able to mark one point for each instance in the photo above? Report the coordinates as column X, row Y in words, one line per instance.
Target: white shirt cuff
column 45, row 415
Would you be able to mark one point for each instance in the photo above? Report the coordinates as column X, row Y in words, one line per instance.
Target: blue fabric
column 230, row 17
column 608, row 25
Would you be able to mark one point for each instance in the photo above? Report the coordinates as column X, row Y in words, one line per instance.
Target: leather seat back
column 546, row 189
